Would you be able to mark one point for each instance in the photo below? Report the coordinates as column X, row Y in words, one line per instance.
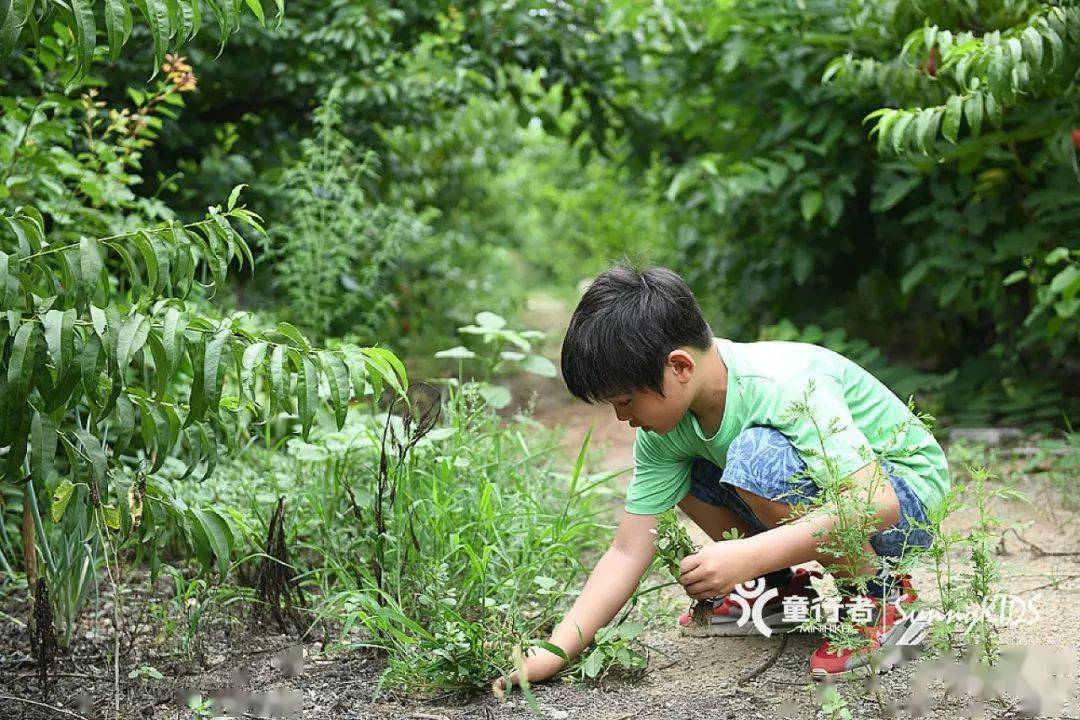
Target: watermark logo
column 753, row 590
column 753, row 597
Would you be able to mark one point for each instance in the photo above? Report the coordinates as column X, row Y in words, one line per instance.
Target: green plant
column 832, row 704
column 200, row 707
column 615, row 646
column 332, row 249
column 480, row 541
column 146, row 671
column 673, row 543
column 493, row 359
column 169, row 29
column 1022, row 58
column 116, row 376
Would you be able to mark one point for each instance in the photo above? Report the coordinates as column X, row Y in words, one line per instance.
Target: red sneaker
column 894, row 626
column 720, row 616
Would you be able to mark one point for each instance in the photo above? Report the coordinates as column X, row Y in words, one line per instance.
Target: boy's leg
column 714, row 520
column 761, row 470
column 716, row 507
column 761, row 466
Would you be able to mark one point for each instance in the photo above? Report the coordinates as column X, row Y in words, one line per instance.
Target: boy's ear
column 682, row 362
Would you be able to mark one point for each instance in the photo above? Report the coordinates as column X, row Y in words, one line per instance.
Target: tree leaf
column 134, row 276
column 950, row 125
column 278, row 379
column 998, row 72
column 20, row 370
column 210, row 443
column 9, row 287
column 167, row 430
column 131, row 339
column 197, row 398
column 254, row 354
column 257, row 11
column 973, row 110
column 90, row 265
column 810, row 204
column 161, row 254
column 11, row 25
column 125, row 424
column 59, row 337
column 290, row 331
column 146, row 250
column 307, row 392
column 43, row 440
column 1033, row 44
column 1057, row 47
column 95, row 454
column 218, row 538
column 90, row 365
column 1014, row 277
column 926, row 124
column 110, row 515
column 399, row 378
column 157, row 16
column 85, row 34
column 172, row 338
column 213, row 374
column 200, row 542
column 60, row 497
column 884, row 128
column 898, row 132
column 337, row 377
column 196, row 18
column 118, row 24
column 539, row 365
column 235, row 194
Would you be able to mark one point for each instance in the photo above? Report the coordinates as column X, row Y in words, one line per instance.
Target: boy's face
column 649, row 410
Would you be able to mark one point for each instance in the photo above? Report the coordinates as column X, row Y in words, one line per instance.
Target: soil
column 686, row 677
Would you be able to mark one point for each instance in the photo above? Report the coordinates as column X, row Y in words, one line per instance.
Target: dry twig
column 769, row 662
column 60, row 711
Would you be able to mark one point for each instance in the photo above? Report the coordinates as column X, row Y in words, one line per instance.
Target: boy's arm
column 611, row 583
column 718, row 567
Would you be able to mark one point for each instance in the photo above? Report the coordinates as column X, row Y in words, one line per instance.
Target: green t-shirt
column 855, row 412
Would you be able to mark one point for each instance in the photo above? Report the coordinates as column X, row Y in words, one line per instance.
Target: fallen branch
column 769, row 662
column 1036, row 548
column 43, row 705
column 1052, row 583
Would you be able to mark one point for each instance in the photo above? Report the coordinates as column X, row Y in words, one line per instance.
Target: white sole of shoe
column 897, row 647
column 731, row 628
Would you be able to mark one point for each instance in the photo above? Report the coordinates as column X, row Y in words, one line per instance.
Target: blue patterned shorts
column 761, row 460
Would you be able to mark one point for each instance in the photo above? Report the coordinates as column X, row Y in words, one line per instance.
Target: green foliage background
column 895, row 180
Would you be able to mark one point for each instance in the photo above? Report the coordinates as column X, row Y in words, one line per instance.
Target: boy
column 716, row 437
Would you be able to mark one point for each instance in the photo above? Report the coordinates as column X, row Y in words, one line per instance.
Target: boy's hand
column 717, row 568
column 540, row 664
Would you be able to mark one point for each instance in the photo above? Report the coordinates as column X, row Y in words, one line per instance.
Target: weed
column 673, row 543
column 276, row 584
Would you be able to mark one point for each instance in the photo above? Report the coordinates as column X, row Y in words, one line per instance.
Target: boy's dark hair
column 623, row 329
